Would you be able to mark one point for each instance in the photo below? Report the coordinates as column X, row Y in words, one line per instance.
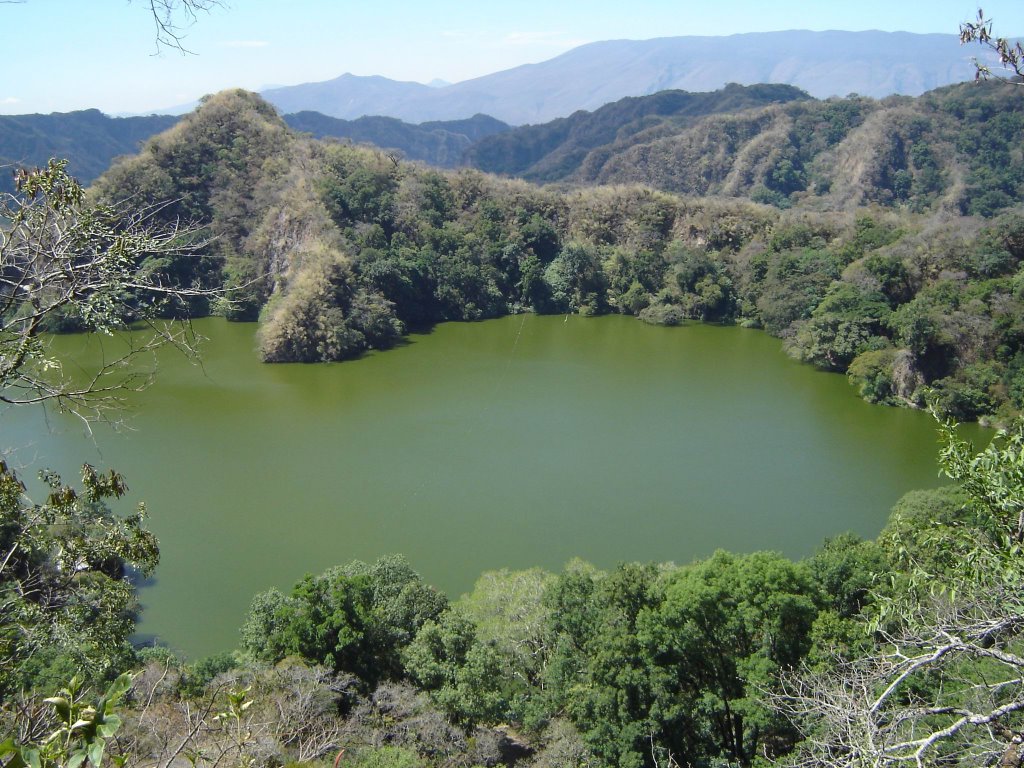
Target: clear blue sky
column 62, row 55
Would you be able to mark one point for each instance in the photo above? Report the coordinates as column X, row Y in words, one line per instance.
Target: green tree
column 464, row 675
column 609, row 689
column 575, row 280
column 942, row 682
column 845, row 323
column 356, row 618
column 65, row 588
column 725, row 631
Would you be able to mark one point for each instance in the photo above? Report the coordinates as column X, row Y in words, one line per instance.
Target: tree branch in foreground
column 68, row 264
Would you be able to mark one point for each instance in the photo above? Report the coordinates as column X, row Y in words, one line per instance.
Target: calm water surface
column 509, row 443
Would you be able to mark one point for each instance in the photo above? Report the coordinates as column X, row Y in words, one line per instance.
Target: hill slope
column 954, row 148
column 554, row 150
column 436, row 143
column 88, row 139
column 339, row 248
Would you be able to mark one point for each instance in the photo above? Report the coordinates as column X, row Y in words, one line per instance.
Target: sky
column 63, row 55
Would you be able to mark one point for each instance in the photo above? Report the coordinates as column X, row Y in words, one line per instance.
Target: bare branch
column 949, row 684
column 171, row 19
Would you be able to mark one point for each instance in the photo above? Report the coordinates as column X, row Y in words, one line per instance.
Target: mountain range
column 585, row 105
column 90, row 140
column 833, row 63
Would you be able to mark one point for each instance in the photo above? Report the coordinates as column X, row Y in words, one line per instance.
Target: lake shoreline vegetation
column 871, row 236
column 900, row 269
column 645, row 664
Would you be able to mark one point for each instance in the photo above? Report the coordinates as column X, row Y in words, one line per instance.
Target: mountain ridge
column 832, row 62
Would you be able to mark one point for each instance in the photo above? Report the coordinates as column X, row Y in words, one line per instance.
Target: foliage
column 871, row 372
column 65, row 584
column 725, row 630
column 464, row 675
column 845, row 323
column 66, row 262
column 942, row 681
column 325, row 317
column 1011, row 54
column 356, row 619
column 83, row 729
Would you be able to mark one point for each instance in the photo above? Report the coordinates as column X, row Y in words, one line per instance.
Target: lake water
column 509, row 443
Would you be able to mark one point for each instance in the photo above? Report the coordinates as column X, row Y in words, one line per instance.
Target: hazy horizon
column 101, row 55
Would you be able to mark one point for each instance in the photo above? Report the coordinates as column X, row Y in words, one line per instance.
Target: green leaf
column 76, row 760
column 110, row 726
column 96, row 752
column 118, row 688
column 31, row 757
column 10, row 747
column 62, row 705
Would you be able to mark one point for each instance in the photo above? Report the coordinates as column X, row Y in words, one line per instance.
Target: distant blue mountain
column 872, row 63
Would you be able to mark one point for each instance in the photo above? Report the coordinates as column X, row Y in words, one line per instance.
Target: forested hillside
column 555, row 150
column 88, row 139
column 338, row 249
column 899, row 651
column 954, row 148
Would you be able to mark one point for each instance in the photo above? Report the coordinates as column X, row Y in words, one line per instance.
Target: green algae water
column 504, row 444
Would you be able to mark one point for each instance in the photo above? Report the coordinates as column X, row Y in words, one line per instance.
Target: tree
column 508, row 610
column 726, row 629
column 66, row 594
column 65, row 591
column 609, row 690
column 944, row 680
column 356, row 619
column 66, row 263
column 464, row 675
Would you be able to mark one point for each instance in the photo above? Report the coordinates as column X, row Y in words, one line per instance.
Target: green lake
column 504, row 444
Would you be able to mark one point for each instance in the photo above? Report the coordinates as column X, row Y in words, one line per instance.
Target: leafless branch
column 949, row 684
column 171, row 19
